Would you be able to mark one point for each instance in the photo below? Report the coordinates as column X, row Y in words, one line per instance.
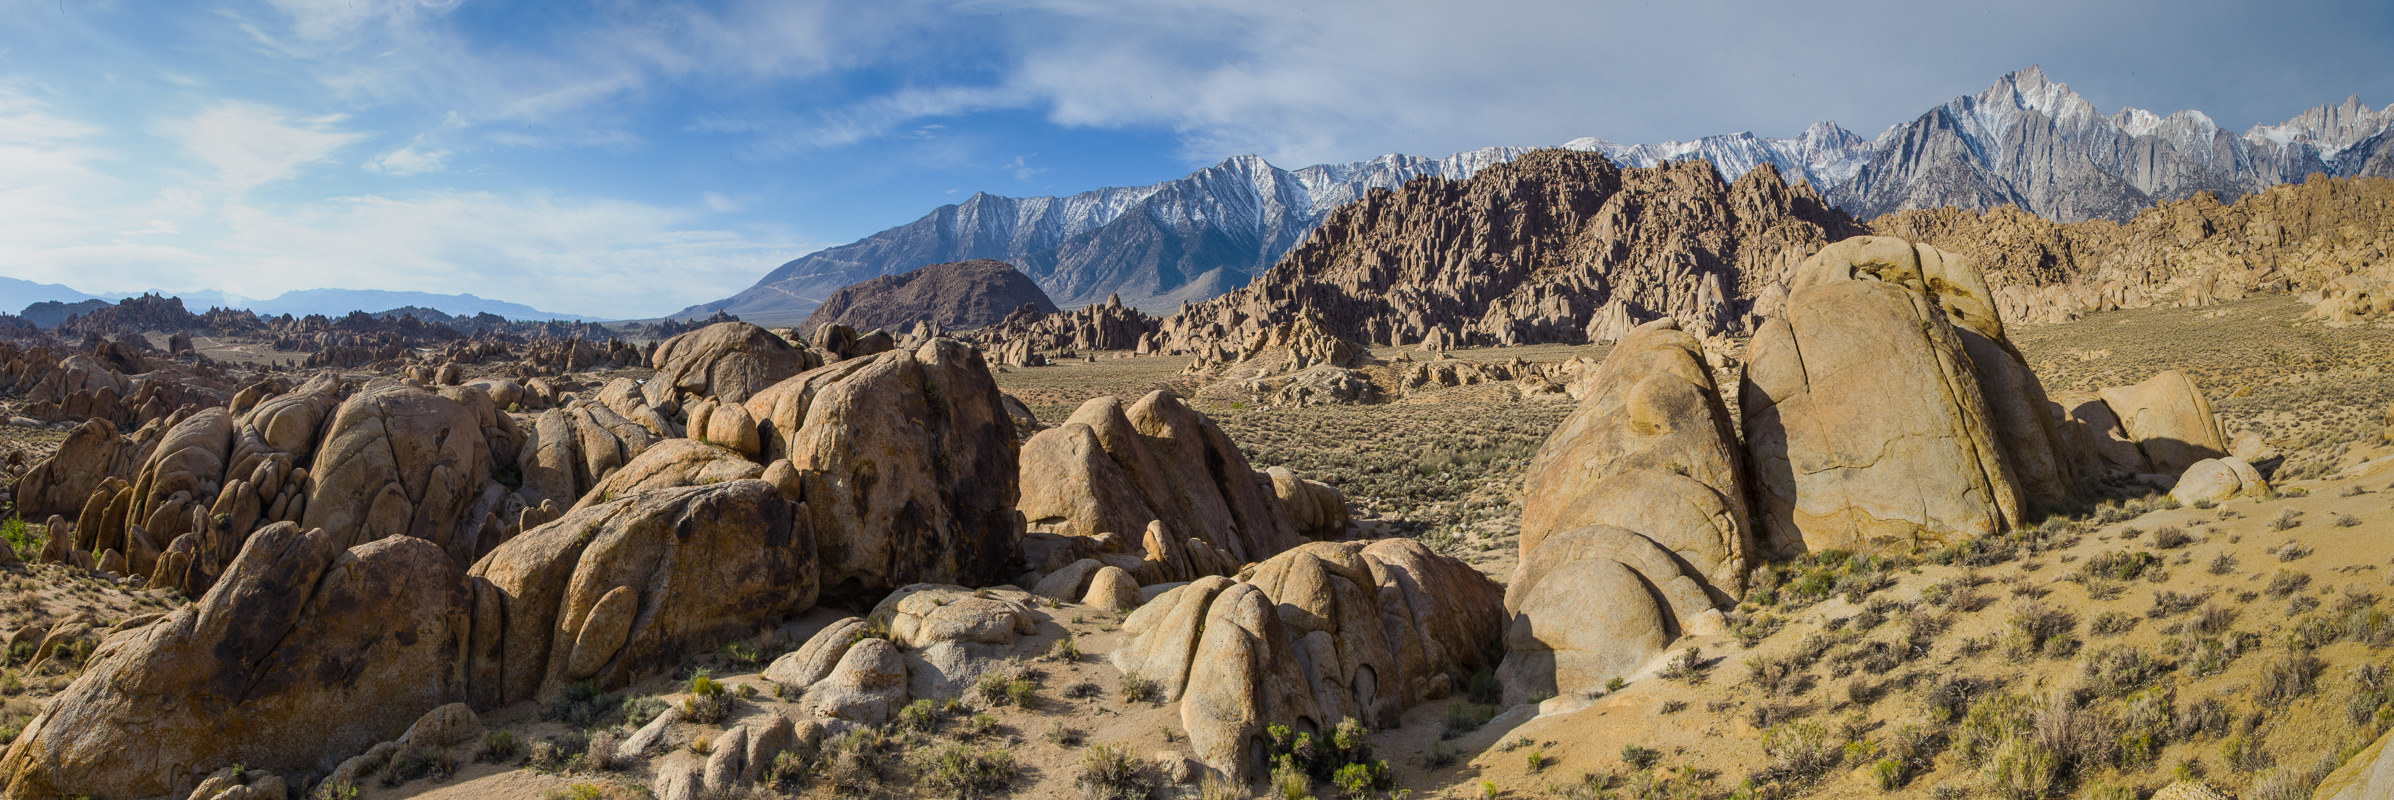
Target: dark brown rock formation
column 1543, row 249
column 963, row 294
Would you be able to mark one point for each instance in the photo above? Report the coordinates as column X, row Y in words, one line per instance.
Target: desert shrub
column 2287, row 519
column 1687, row 667
column 2290, row 783
column 2169, row 537
column 1008, row 684
column 2168, row 603
column 1064, row 735
column 2111, row 623
column 2287, row 582
column 709, row 701
column 2292, row 551
column 1067, row 650
column 2222, row 564
column 2208, row 716
column 1483, row 687
column 1637, row 756
column 416, row 762
column 1800, row 751
column 921, row 716
column 964, row 772
column 2289, row 678
column 1136, row 688
column 2118, row 669
column 499, row 747
column 19, row 537
column 856, row 763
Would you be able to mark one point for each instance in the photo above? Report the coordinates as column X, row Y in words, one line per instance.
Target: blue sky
column 627, row 159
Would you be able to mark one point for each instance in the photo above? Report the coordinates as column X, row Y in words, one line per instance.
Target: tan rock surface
column 242, row 677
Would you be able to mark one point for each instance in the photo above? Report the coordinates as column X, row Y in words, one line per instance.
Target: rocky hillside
column 964, row 294
column 1556, row 246
column 2322, row 235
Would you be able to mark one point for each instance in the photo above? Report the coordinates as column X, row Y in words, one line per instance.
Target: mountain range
column 2026, row 141
column 17, row 293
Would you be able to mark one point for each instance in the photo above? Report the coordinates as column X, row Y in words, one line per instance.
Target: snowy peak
column 1824, row 154
column 2329, row 128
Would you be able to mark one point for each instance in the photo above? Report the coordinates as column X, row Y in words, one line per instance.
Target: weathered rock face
column 1317, row 510
column 1529, row 252
column 620, row 591
column 92, row 453
column 669, row 464
column 304, row 654
column 399, row 461
column 907, row 465
column 1115, row 469
column 1325, row 632
column 950, row 635
column 1649, row 449
column 568, row 451
column 2169, row 419
column 2303, row 237
column 728, row 361
column 962, row 294
column 1865, row 421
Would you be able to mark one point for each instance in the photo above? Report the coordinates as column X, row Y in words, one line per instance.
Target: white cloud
column 408, row 161
column 720, row 203
column 250, row 144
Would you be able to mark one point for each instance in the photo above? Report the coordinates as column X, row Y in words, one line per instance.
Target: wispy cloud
column 249, row 144
column 409, row 160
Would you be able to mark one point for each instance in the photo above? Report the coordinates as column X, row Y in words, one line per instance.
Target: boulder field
column 363, row 556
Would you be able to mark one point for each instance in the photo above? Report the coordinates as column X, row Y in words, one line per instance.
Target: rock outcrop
column 961, row 294
column 1098, row 326
column 619, row 591
column 1867, row 422
column 727, row 361
column 397, row 461
column 1634, row 522
column 907, row 463
column 1319, row 634
column 2169, row 419
column 303, row 655
column 1116, row 469
column 1529, row 252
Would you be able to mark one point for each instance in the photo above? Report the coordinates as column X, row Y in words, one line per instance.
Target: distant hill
column 17, row 293
column 335, row 302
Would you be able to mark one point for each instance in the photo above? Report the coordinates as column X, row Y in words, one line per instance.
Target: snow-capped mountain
column 1825, row 154
column 2026, row 140
column 2032, row 142
column 1191, row 238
